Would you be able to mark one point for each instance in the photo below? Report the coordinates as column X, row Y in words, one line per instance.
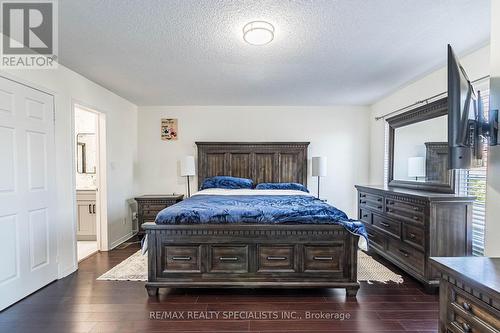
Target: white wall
column 492, row 244
column 340, row 133
column 476, row 64
column 121, row 120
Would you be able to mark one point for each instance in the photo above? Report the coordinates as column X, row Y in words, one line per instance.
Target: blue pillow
column 227, row 183
column 282, row 186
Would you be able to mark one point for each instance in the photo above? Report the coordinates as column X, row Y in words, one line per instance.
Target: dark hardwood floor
column 79, row 303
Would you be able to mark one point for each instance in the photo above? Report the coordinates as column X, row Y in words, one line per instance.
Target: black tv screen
column 461, row 104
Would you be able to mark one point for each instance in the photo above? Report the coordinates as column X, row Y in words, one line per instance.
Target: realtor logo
column 29, row 34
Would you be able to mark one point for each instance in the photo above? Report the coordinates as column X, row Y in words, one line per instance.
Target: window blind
column 473, row 182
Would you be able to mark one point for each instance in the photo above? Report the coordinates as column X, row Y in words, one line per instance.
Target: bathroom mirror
column 86, row 153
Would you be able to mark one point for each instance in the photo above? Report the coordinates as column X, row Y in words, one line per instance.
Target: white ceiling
column 325, row 52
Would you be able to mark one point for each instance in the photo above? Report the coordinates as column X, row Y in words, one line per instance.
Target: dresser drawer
column 181, row 258
column 318, row 258
column 371, row 197
column 156, row 207
column 148, row 207
column 371, row 201
column 460, row 325
column 387, row 226
column 474, row 311
column 405, row 215
column 229, row 259
column 465, row 324
column 276, row 258
column 365, row 215
column 149, row 213
column 376, row 239
column 407, row 255
column 414, row 235
column 401, row 205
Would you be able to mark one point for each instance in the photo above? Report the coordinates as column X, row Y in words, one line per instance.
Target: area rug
column 371, row 270
column 135, row 268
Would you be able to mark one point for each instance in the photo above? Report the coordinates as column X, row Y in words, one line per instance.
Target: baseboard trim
column 121, row 240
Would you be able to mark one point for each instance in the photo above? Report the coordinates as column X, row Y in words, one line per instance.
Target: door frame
column 101, row 193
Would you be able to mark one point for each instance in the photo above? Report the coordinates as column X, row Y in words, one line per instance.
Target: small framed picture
column 168, row 129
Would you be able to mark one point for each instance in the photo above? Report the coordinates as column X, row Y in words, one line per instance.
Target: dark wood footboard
column 251, row 256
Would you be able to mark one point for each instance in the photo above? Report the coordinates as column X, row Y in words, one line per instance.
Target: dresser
column 469, row 294
column 148, row 206
column 408, row 226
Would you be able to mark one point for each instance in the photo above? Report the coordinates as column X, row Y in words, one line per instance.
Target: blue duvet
column 265, row 209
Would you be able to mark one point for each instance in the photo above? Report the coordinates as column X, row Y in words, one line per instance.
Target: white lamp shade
column 319, row 165
column 188, row 167
column 416, row 167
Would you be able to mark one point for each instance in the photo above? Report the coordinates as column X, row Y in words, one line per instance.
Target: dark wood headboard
column 259, row 161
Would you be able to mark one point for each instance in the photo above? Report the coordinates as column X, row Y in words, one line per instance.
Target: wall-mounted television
column 468, row 128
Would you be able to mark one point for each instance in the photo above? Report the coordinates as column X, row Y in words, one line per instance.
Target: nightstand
column 150, row 205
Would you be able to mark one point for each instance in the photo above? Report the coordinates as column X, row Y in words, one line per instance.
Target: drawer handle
column 466, row 327
column 229, row 258
column 363, row 202
column 380, row 207
column 362, row 195
column 365, row 216
column 323, row 258
column 416, row 209
column 404, row 253
column 391, row 203
column 379, row 199
column 181, row 258
column 416, row 218
column 390, row 210
column 387, row 225
column 276, row 258
column 412, row 236
column 467, row 307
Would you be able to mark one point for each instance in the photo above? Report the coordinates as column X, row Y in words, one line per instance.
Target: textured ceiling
column 186, row 52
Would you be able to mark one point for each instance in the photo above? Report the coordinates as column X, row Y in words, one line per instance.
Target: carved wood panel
column 264, row 168
column 259, row 161
column 215, row 164
column 252, row 255
column 436, row 164
column 289, row 168
column 240, row 165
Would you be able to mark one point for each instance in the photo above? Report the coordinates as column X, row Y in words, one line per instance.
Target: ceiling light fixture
column 258, row 33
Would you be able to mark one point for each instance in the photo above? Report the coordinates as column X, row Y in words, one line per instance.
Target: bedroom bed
column 252, row 238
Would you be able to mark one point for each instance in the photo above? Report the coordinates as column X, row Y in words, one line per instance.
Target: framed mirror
column 86, row 153
column 418, row 149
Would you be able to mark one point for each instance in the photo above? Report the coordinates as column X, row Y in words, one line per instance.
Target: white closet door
column 27, row 191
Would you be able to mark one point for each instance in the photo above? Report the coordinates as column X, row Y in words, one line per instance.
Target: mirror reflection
column 86, row 153
column 421, row 151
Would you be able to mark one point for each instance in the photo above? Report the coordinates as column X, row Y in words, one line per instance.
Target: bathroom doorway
column 89, row 180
